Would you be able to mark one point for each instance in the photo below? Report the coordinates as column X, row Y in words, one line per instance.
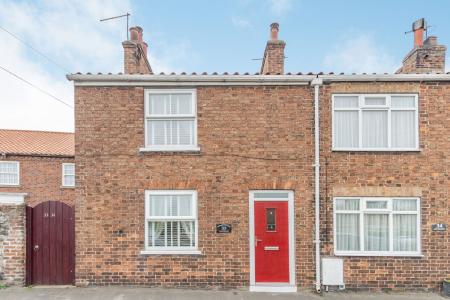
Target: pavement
column 139, row 293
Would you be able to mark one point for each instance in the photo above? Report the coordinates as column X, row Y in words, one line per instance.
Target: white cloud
column 359, row 54
column 167, row 55
column 240, row 22
column 280, row 7
column 23, row 107
column 70, row 33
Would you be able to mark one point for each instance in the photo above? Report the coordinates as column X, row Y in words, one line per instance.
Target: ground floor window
column 171, row 220
column 376, row 226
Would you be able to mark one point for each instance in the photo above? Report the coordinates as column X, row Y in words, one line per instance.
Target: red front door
column 271, row 241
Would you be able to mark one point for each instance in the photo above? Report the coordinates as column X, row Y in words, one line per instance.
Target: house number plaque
column 439, row 227
column 223, row 228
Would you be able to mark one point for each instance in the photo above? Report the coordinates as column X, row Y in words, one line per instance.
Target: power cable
column 36, row 87
column 36, row 50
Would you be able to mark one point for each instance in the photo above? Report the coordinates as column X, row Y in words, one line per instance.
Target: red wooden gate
column 50, row 244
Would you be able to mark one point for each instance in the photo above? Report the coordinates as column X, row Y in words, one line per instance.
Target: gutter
column 187, row 80
column 317, row 82
column 215, row 80
column 385, row 77
column 9, row 154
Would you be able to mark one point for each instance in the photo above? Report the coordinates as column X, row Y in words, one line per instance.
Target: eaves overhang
column 384, row 77
column 188, row 80
column 242, row 80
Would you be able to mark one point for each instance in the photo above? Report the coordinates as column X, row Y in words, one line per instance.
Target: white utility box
column 333, row 272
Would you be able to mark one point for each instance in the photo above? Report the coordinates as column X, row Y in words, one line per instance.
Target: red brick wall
column 423, row 173
column 250, row 138
column 40, row 178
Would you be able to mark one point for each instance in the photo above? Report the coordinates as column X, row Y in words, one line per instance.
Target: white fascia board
column 240, row 80
column 12, row 198
column 385, row 77
column 188, row 80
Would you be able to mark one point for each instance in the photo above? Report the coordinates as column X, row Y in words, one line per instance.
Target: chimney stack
column 273, row 60
column 426, row 56
column 135, row 53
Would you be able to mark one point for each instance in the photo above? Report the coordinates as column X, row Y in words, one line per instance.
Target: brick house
column 35, row 167
column 258, row 181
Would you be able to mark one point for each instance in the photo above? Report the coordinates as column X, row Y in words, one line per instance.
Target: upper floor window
column 9, row 173
column 68, row 175
column 170, row 120
column 377, row 122
column 375, row 226
column 171, row 221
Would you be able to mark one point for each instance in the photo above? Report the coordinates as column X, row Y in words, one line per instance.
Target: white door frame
column 272, row 287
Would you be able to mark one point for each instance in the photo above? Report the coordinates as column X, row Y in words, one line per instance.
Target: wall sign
column 439, row 227
column 223, row 228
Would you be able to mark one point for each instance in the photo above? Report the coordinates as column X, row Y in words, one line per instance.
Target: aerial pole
column 121, row 16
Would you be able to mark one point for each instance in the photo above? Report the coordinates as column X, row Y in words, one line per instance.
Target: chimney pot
column 133, row 34
column 136, row 33
column 431, row 41
column 418, row 27
column 274, row 28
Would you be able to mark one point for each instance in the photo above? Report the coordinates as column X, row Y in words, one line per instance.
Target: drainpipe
column 316, row 83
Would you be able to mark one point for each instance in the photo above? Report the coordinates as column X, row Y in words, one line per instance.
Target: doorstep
column 52, row 286
column 273, row 288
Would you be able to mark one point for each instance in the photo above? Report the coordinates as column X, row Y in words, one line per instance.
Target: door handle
column 256, row 241
column 271, row 248
column 36, row 248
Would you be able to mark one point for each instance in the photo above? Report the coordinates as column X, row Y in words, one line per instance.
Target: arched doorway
column 50, row 244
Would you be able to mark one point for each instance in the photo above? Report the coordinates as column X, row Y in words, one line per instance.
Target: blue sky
column 226, row 35
column 198, row 35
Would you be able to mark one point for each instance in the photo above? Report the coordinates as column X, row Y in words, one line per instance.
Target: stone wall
column 12, row 244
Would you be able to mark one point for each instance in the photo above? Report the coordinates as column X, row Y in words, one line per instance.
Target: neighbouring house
column 269, row 182
column 37, row 181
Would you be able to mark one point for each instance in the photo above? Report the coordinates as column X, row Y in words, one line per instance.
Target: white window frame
column 389, row 210
column 150, row 148
column 18, row 173
column 362, row 107
column 171, row 250
column 64, row 174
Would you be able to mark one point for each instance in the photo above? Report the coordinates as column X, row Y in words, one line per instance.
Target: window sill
column 378, row 254
column 373, row 150
column 67, row 187
column 10, row 186
column 170, row 149
column 171, row 252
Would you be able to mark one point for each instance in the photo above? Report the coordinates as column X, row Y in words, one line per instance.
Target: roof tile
column 27, row 142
